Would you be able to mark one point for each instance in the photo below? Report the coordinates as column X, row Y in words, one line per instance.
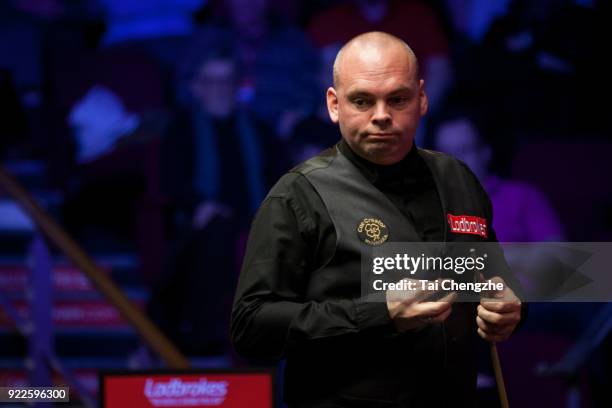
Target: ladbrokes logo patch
column 468, row 224
column 372, row 231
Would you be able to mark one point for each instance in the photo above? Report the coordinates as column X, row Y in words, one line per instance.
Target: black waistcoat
column 413, row 369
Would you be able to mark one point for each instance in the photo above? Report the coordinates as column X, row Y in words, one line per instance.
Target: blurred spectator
column 112, row 203
column 274, row 61
column 24, row 25
column 214, row 145
column 217, row 165
column 412, row 21
column 522, row 212
column 316, row 132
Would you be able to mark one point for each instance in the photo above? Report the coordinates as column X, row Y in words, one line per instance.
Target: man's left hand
column 498, row 315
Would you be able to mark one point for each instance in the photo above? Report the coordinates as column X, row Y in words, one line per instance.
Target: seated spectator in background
column 217, row 164
column 107, row 206
column 214, row 147
column 522, row 212
column 316, row 132
column 412, row 21
column 275, row 60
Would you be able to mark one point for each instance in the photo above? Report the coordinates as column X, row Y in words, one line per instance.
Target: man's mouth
column 382, row 135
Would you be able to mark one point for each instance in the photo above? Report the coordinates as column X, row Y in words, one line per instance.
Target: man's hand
column 498, row 315
column 409, row 309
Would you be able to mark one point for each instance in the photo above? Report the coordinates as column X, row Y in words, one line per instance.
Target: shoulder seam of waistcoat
column 441, row 158
column 321, row 161
column 435, row 153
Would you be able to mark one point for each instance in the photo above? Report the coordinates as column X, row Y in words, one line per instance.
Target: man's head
column 460, row 135
column 378, row 98
column 214, row 86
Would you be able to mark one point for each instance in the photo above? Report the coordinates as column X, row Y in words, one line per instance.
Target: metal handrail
column 152, row 336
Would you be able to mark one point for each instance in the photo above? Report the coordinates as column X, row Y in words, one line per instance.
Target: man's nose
column 381, row 116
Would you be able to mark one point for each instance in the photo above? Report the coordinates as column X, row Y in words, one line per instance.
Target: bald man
column 299, row 294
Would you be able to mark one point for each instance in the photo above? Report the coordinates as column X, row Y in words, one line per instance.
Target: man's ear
column 332, row 104
column 423, row 98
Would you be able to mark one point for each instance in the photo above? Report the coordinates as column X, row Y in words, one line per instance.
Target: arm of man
column 503, row 313
column 290, row 237
column 270, row 311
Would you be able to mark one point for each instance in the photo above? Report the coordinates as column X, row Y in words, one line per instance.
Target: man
column 214, row 176
column 522, row 212
column 299, row 292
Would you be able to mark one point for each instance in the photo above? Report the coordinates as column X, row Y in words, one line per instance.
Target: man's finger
column 492, row 338
column 438, row 306
column 451, row 297
column 410, row 296
column 484, row 326
column 500, row 307
column 495, row 318
column 491, row 328
column 428, row 309
column 501, row 321
column 442, row 316
column 423, row 294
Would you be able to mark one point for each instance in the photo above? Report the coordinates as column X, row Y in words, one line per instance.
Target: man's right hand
column 410, row 309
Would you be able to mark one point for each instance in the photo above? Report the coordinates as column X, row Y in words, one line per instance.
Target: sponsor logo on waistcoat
column 372, row 231
column 468, row 224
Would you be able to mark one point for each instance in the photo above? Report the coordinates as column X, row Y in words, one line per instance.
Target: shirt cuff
column 371, row 314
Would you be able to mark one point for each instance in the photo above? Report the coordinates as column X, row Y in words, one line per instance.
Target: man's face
column 460, row 139
column 214, row 86
column 378, row 102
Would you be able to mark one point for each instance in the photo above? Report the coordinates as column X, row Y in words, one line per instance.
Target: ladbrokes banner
column 226, row 390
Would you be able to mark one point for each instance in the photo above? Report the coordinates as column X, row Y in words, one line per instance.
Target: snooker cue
column 499, row 377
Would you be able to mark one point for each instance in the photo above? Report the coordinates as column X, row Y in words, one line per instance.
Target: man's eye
column 398, row 101
column 360, row 102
